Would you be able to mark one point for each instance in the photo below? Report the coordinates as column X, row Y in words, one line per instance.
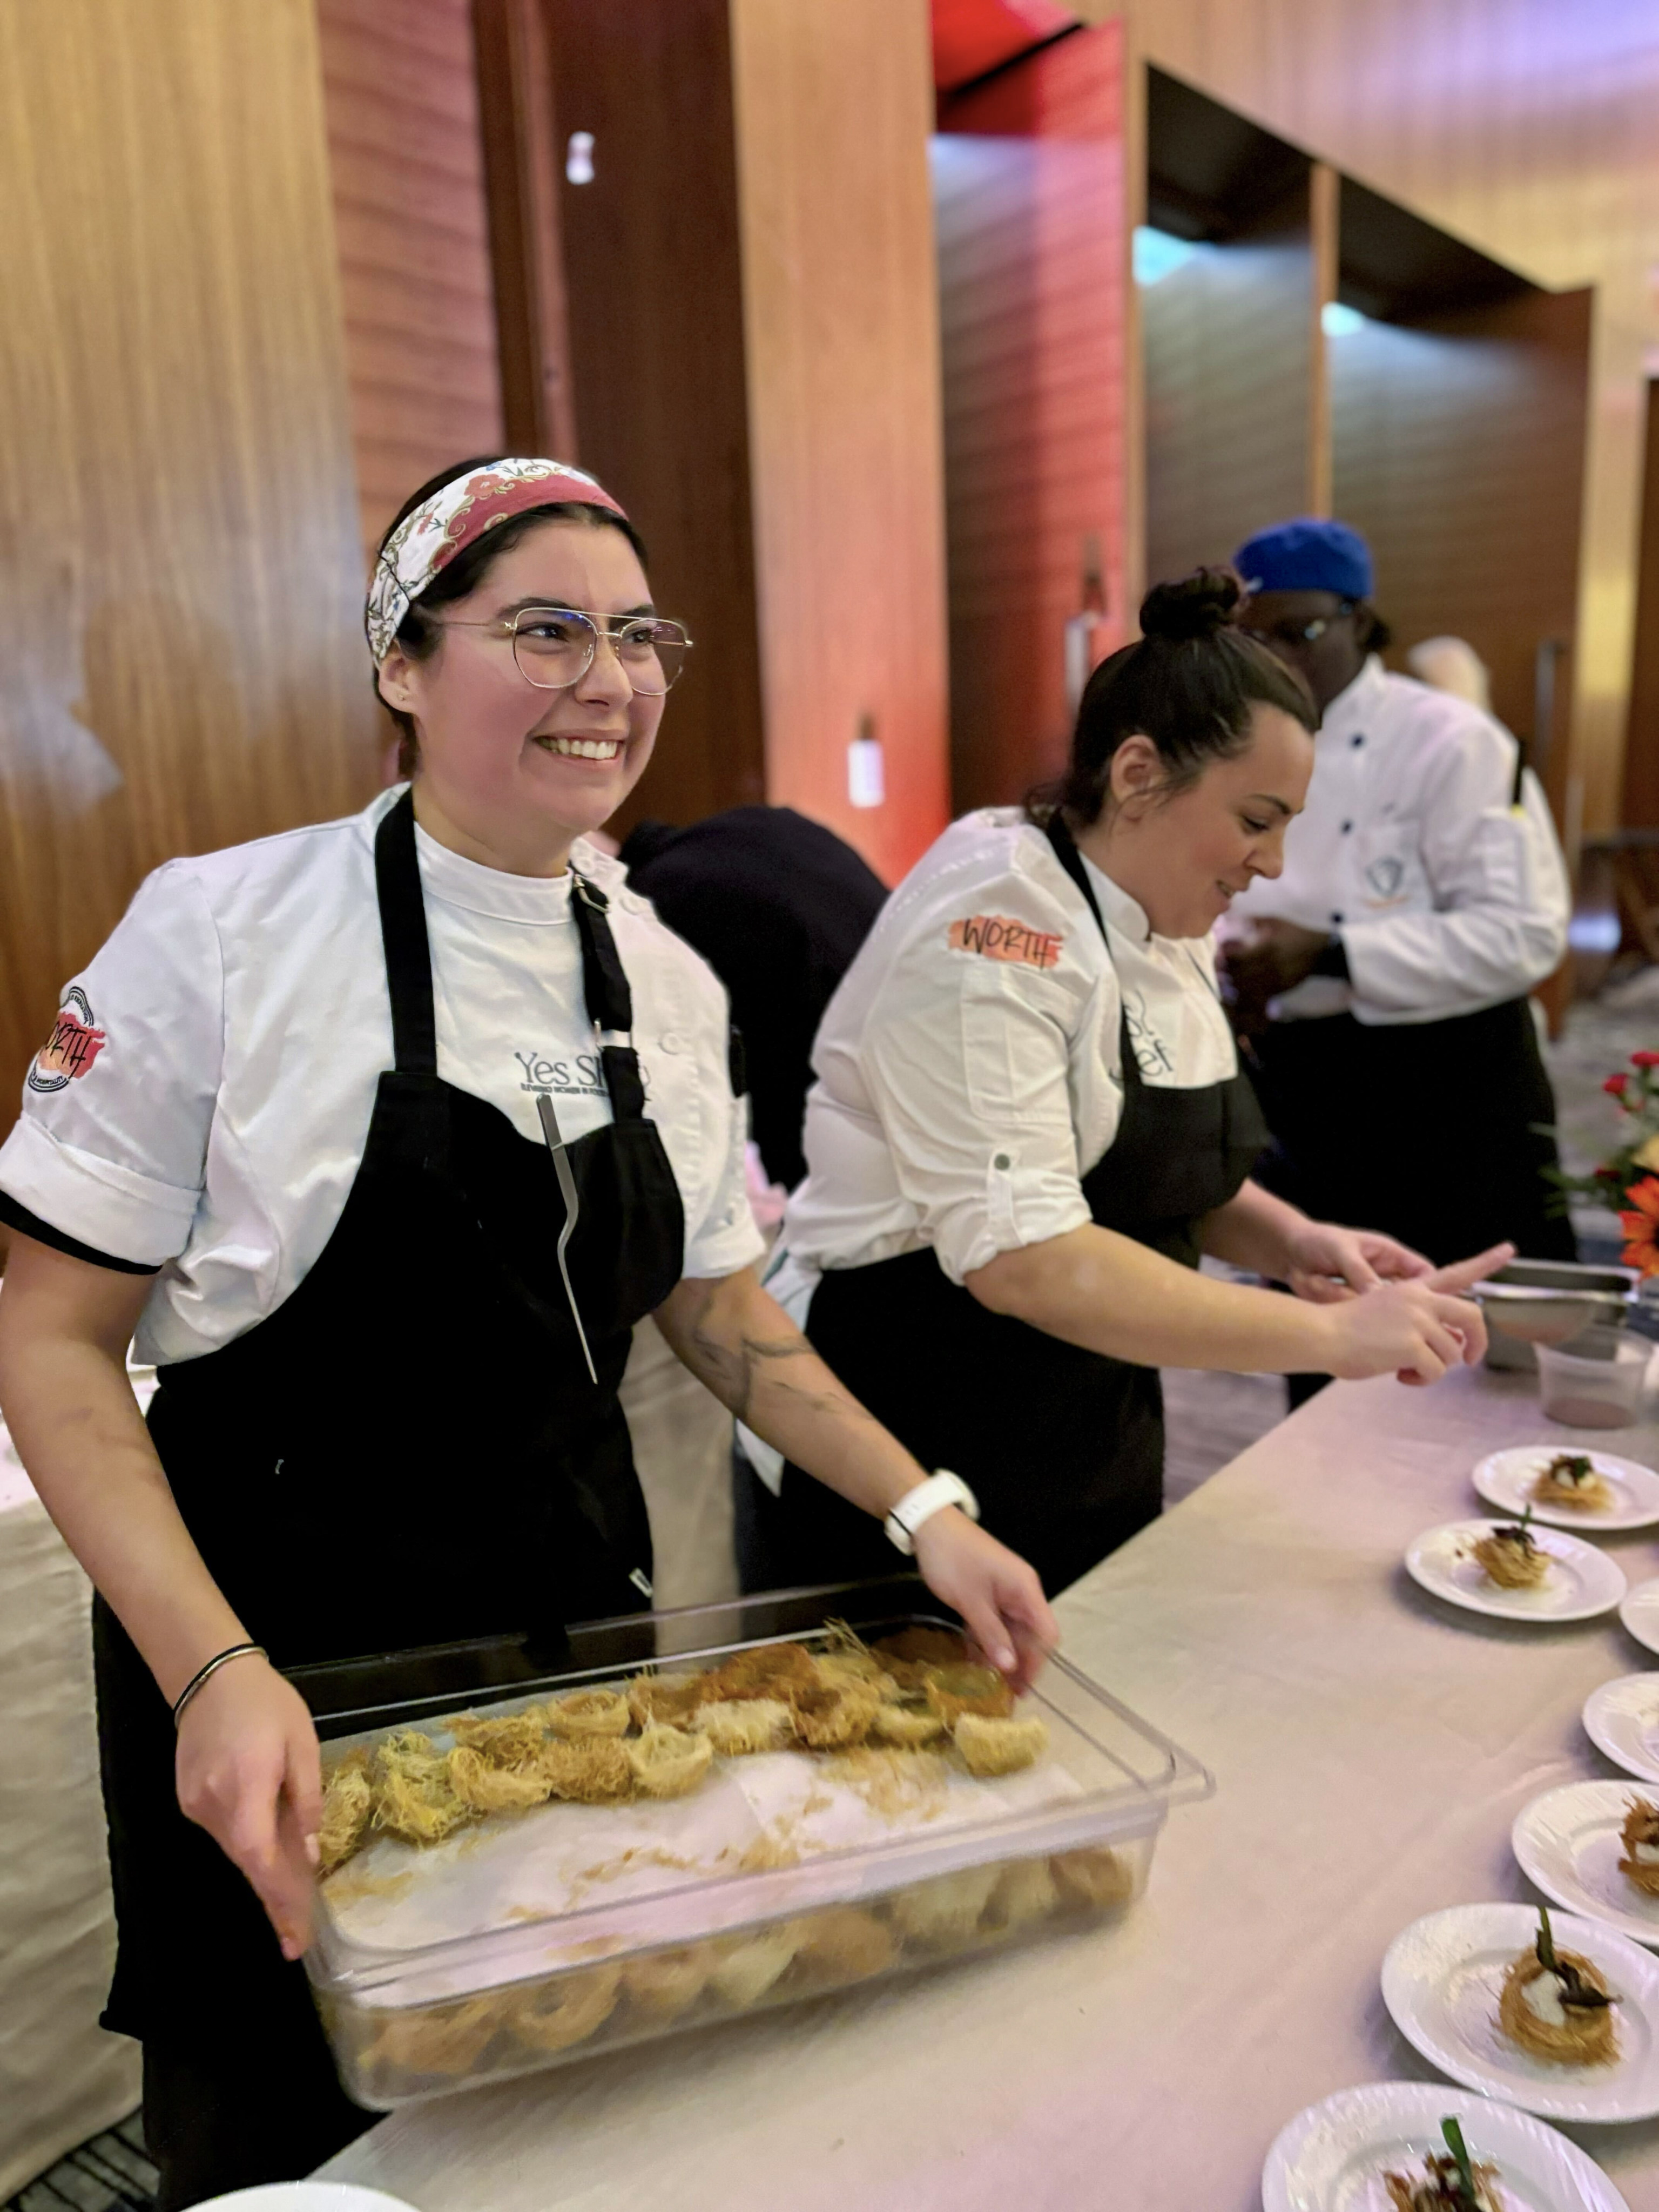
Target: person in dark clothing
column 778, row 906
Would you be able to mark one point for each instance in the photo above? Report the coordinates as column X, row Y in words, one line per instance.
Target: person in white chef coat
column 1383, row 975
column 1029, row 1120
column 384, row 1133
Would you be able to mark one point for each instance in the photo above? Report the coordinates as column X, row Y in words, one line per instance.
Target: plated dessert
column 1572, row 1479
column 1446, row 2178
column 1512, row 1556
column 1572, row 1489
column 1556, row 2005
column 1514, row 1569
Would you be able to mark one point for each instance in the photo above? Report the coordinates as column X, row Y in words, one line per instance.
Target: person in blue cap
column 1383, row 977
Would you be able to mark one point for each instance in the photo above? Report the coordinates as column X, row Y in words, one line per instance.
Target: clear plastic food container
column 534, row 1938
column 1595, row 1380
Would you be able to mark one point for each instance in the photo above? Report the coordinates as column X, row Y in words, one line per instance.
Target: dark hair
column 1188, row 682
column 417, row 633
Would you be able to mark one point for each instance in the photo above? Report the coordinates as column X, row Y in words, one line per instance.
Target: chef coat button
column 1359, row 740
column 1002, row 1162
column 672, row 1041
column 1336, row 920
column 1346, row 826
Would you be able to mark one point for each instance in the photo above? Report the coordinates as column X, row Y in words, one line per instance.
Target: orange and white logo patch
column 995, row 936
column 76, row 1042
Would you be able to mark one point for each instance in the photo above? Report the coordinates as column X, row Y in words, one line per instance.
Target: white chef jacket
column 207, row 1108
column 1446, row 897
column 969, row 1068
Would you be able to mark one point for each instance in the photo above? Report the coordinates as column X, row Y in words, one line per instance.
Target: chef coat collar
column 1357, row 697
column 475, row 889
column 1123, row 914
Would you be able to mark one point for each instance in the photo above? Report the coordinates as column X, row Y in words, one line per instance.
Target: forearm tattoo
column 733, row 1370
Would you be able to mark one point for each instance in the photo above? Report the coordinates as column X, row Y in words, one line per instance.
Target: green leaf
column 1459, row 2150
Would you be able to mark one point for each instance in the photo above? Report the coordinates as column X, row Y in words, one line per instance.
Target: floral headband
column 432, row 534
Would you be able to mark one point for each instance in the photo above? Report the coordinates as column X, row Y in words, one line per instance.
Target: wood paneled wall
column 1527, row 130
column 180, row 665
column 400, row 86
column 1030, row 178
column 1457, row 448
column 1227, row 364
column 654, row 288
column 1642, row 753
column 833, row 104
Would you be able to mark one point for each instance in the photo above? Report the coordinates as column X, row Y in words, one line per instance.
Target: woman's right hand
column 249, row 1771
column 1405, row 1328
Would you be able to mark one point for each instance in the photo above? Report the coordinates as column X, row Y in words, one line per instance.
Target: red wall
column 1029, row 198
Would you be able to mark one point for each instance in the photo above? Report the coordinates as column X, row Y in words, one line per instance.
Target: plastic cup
column 1595, row 1380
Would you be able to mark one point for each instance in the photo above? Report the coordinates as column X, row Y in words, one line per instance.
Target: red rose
column 1615, row 1085
column 1644, row 1060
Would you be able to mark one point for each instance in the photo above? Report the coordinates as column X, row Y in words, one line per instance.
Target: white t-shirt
column 207, row 1102
column 969, row 1067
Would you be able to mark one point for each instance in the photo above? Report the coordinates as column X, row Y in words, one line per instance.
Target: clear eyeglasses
column 1299, row 633
column 556, row 647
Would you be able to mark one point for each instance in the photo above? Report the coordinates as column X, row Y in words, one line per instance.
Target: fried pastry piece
column 414, row 1797
column 667, row 1762
column 842, row 1944
column 668, row 1983
column 770, row 1670
column 750, row 1725
column 909, row 1726
column 596, row 1772
column 482, row 1788
column 1025, row 1890
column 1640, row 1864
column 668, row 1697
column 1572, row 1479
column 1097, row 1877
column 1511, row 1557
column 999, row 1747
column 348, row 1808
column 747, row 1966
column 835, row 1719
column 953, row 1691
column 586, row 1713
column 841, row 1669
column 506, row 1741
column 556, row 2014
column 942, row 1914
column 448, row 2040
column 1556, row 2006
column 922, row 1647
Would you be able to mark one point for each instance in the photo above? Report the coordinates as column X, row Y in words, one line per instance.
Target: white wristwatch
column 922, row 1504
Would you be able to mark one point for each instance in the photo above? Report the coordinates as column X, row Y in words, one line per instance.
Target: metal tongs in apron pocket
column 572, row 1208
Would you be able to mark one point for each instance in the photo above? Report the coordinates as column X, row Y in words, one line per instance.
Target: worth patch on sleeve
column 76, row 1042
column 995, row 936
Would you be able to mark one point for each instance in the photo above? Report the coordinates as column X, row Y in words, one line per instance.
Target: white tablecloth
column 1371, row 1748
column 62, row 2078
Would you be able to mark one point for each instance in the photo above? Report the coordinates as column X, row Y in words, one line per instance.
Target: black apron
column 1436, row 1133
column 409, row 1450
column 1063, row 1448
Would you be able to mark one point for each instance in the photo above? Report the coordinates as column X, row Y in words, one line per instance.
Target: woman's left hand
column 1328, row 1263
column 997, row 1595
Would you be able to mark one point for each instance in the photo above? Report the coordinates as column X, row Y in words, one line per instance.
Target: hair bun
column 1196, row 606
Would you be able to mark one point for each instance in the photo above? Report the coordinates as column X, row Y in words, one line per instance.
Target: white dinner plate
column 306, row 2197
column 1440, row 1981
column 1581, row 1582
column 1505, row 1479
column 1332, row 2158
column 1621, row 1719
column 1568, row 1843
column 1639, row 1612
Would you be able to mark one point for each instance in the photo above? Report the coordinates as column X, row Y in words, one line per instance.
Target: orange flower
column 1641, row 1225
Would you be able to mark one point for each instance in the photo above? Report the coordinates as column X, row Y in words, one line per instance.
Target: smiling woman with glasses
column 384, row 1134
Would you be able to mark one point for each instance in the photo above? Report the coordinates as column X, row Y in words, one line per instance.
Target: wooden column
column 1324, row 196
column 181, row 663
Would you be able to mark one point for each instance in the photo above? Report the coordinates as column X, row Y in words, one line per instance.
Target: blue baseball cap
column 1309, row 555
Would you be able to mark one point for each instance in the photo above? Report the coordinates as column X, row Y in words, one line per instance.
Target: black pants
column 252, row 2107
column 1436, row 1133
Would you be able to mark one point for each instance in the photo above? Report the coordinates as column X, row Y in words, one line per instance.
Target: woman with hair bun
column 1029, row 1122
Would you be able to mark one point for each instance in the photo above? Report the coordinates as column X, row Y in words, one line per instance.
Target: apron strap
column 1071, row 860
column 403, row 932
column 610, row 1001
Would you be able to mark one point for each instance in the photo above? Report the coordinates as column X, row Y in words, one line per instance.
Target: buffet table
column 1371, row 1748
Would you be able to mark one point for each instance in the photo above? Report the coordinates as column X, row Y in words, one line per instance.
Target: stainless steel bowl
column 1547, row 1302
